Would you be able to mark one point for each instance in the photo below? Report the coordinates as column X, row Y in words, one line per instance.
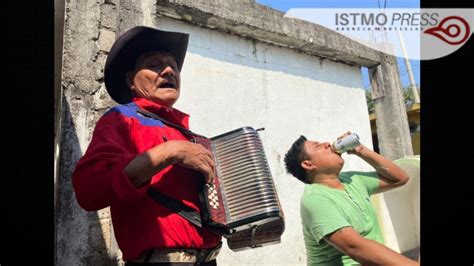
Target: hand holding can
column 346, row 143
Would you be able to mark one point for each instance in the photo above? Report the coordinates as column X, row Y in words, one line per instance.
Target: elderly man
column 142, row 144
column 340, row 225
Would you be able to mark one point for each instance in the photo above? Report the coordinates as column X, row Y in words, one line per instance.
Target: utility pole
column 408, row 67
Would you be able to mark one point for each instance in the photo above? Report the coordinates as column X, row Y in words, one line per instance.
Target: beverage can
column 346, row 143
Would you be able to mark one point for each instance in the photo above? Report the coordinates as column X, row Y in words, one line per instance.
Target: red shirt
column 140, row 223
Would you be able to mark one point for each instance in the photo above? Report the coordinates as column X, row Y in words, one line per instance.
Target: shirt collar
column 171, row 114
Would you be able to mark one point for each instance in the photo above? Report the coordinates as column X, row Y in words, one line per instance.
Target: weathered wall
column 83, row 238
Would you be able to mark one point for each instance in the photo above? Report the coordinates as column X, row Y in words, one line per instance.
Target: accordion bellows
column 242, row 201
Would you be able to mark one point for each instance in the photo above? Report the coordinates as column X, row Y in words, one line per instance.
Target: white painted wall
column 229, row 82
column 400, row 216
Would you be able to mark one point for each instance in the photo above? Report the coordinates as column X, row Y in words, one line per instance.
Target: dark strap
column 204, row 255
column 166, row 122
column 148, row 255
column 184, row 211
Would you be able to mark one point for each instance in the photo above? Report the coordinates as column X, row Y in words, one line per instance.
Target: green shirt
column 324, row 210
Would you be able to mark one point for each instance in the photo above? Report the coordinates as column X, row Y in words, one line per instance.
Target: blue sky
column 285, row 5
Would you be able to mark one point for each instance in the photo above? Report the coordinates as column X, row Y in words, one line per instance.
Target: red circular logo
column 453, row 30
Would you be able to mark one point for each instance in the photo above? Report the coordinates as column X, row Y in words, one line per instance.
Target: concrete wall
column 83, row 238
column 230, row 82
column 400, row 211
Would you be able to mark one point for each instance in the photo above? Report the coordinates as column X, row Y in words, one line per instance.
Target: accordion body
column 242, row 201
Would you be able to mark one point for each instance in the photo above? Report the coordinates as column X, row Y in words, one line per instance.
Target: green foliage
column 370, row 102
column 407, row 96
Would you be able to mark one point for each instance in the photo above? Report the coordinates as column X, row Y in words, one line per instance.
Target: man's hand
column 391, row 175
column 185, row 153
column 196, row 157
column 357, row 150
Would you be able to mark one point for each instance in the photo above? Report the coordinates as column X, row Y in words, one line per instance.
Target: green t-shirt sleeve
column 370, row 180
column 321, row 216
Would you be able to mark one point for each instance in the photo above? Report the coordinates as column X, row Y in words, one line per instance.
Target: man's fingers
column 209, row 155
column 200, row 159
column 345, row 134
column 208, row 173
column 206, row 166
column 209, row 160
column 211, row 166
column 211, row 163
column 205, row 152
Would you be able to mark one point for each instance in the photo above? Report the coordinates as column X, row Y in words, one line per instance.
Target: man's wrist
column 171, row 152
column 360, row 151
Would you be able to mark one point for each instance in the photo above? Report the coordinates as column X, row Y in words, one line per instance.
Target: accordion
column 242, row 202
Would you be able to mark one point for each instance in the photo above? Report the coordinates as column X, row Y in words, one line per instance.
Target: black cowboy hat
column 131, row 45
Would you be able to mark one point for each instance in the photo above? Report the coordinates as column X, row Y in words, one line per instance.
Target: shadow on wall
column 80, row 240
column 403, row 205
column 278, row 59
column 259, row 55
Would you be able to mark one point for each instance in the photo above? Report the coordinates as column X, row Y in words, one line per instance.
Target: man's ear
column 129, row 78
column 308, row 165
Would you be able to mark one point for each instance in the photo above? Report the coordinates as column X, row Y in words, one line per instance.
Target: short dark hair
column 293, row 159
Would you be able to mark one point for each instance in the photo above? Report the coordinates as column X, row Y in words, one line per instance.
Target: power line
column 403, row 69
column 404, row 72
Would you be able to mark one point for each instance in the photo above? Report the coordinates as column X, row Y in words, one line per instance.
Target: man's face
column 321, row 157
column 156, row 77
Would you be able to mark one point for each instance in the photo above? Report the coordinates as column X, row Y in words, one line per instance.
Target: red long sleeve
column 99, row 181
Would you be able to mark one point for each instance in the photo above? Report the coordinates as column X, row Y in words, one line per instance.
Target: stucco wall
column 83, row 238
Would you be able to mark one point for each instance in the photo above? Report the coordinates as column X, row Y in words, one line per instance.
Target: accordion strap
column 183, row 130
column 184, row 211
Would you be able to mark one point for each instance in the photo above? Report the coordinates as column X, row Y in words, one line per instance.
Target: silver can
column 347, row 143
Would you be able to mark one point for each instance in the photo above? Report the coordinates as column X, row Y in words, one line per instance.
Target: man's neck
column 330, row 180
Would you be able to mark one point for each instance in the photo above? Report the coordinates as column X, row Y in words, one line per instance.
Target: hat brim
column 131, row 45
